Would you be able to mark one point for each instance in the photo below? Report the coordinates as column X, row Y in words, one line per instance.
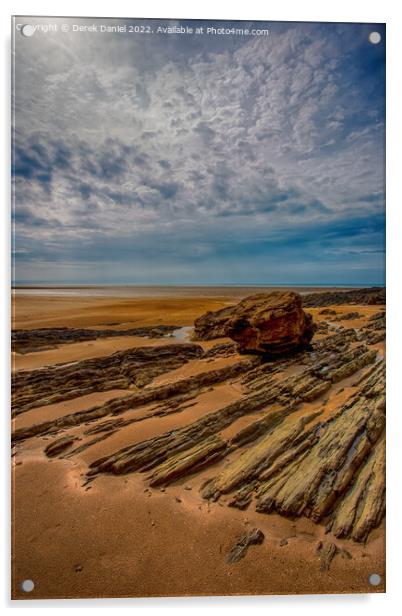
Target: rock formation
column 369, row 296
column 132, row 368
column 272, row 323
column 29, row 340
column 212, row 325
column 288, row 442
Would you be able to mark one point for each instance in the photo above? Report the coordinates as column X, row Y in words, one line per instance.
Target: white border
column 296, row 10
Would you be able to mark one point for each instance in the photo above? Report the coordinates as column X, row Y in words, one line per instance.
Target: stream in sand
column 183, row 333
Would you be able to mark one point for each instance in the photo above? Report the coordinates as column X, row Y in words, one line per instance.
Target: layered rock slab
column 134, row 367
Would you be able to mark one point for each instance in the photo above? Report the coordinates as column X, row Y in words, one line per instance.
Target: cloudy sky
column 199, row 159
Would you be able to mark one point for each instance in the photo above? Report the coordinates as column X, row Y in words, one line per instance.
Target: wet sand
column 31, row 312
column 117, row 540
column 78, row 351
column 66, row 307
column 116, row 536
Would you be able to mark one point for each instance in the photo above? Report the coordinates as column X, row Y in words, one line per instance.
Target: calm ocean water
column 167, row 291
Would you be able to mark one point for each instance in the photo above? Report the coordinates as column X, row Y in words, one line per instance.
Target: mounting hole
column 27, row 585
column 27, row 30
column 374, row 579
column 375, row 38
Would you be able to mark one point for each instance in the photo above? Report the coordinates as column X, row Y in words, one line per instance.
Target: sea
column 142, row 291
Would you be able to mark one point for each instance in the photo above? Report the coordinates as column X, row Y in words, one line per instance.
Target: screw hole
column 27, row 30
column 27, row 585
column 375, row 38
column 374, row 579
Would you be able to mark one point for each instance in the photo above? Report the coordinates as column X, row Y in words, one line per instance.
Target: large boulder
column 272, row 323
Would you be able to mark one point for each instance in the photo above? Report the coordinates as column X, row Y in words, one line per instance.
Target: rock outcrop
column 370, row 296
column 302, row 434
column 162, row 393
column 59, row 445
column 273, row 323
column 133, row 368
column 29, row 340
column 212, row 325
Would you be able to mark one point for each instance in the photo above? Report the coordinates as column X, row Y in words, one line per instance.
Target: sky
column 143, row 158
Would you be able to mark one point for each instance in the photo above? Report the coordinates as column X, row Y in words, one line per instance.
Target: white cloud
column 157, row 136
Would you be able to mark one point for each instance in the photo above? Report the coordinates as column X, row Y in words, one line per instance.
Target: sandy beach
column 198, row 361
column 113, row 534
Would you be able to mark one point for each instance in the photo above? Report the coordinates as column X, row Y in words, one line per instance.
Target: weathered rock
column 197, row 457
column 321, row 476
column 289, row 393
column 242, row 498
column 370, row 296
column 272, row 323
column 348, row 316
column 29, row 340
column 363, row 507
column 351, row 367
column 327, row 553
column 59, row 445
column 239, row 550
column 225, row 349
column 131, row 368
column 211, row 325
column 325, row 462
column 255, row 459
column 135, row 400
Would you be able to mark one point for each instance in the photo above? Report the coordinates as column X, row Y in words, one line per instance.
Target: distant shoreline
column 163, row 291
column 195, row 286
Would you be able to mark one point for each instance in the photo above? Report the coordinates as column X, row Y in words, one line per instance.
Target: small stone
column 238, row 551
column 59, row 445
column 318, row 547
column 283, row 542
column 327, row 554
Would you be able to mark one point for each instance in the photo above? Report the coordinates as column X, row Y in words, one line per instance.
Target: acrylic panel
column 198, row 331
